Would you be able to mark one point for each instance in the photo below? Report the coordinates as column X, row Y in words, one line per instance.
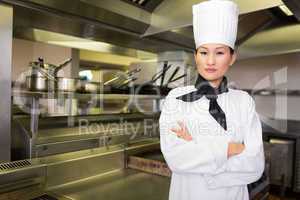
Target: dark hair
column 231, row 50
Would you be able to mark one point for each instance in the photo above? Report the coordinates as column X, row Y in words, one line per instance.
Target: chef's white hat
column 215, row 21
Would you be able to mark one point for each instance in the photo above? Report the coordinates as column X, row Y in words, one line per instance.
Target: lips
column 210, row 70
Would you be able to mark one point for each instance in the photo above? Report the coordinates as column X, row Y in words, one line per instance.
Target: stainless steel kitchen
column 89, row 86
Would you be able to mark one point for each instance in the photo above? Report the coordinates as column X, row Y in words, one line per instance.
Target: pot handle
column 47, row 75
column 62, row 65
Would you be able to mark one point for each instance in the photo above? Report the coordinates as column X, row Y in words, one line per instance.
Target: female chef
column 211, row 135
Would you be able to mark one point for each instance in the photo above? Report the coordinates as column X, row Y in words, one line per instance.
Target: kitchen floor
column 273, row 197
column 289, row 195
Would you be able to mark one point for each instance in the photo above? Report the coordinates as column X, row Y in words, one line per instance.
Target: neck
column 215, row 83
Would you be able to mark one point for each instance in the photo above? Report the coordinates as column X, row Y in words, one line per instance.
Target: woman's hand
column 235, row 149
column 182, row 132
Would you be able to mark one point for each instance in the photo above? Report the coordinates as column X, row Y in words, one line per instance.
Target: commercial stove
column 283, row 137
column 134, row 171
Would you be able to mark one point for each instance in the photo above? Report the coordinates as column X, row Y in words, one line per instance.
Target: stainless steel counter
column 124, row 184
column 56, row 135
column 90, row 174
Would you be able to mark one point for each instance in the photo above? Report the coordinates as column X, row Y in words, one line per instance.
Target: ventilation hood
column 154, row 25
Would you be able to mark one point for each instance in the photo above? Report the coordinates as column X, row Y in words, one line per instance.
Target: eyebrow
column 216, row 48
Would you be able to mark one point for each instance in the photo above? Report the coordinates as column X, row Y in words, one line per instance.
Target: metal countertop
column 125, row 184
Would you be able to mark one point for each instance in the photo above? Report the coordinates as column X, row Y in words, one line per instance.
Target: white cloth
column 215, row 21
column 200, row 168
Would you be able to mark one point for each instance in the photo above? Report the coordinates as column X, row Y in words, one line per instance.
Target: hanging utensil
column 134, row 71
column 179, row 77
column 149, row 87
column 119, row 79
column 127, row 82
column 172, row 76
column 111, row 80
column 158, row 75
column 163, row 73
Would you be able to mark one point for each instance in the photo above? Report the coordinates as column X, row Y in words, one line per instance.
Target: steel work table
column 125, row 184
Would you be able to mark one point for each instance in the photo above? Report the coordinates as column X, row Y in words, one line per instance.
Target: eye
column 220, row 53
column 203, row 53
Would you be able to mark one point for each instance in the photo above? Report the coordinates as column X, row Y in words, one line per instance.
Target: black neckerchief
column 205, row 89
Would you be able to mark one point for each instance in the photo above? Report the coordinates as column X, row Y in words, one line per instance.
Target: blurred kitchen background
column 82, row 83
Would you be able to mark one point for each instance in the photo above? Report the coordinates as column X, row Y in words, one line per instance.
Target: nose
column 211, row 60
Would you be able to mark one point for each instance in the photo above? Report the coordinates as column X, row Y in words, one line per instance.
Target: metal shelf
column 73, row 95
column 272, row 92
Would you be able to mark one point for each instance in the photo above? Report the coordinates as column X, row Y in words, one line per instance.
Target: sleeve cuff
column 220, row 151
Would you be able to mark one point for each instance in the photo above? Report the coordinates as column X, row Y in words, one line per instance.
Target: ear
column 233, row 59
column 195, row 55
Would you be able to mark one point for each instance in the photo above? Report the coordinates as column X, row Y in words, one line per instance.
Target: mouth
column 210, row 70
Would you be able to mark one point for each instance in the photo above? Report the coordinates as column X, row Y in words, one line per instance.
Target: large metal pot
column 43, row 77
column 43, row 84
column 66, row 84
column 39, row 84
column 41, row 69
column 89, row 87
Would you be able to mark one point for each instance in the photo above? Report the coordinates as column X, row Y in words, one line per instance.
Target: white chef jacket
column 200, row 168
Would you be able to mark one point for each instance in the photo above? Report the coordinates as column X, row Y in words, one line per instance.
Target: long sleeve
column 205, row 155
column 248, row 166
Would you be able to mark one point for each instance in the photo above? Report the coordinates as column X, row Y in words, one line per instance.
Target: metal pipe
column 6, row 27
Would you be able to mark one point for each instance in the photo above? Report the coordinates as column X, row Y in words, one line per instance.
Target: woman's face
column 213, row 61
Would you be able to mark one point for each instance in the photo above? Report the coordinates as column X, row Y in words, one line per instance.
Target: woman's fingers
column 183, row 128
column 181, row 125
column 188, row 138
column 175, row 130
column 182, row 132
column 179, row 133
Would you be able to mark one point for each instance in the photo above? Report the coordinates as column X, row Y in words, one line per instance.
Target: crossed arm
column 182, row 132
column 222, row 163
